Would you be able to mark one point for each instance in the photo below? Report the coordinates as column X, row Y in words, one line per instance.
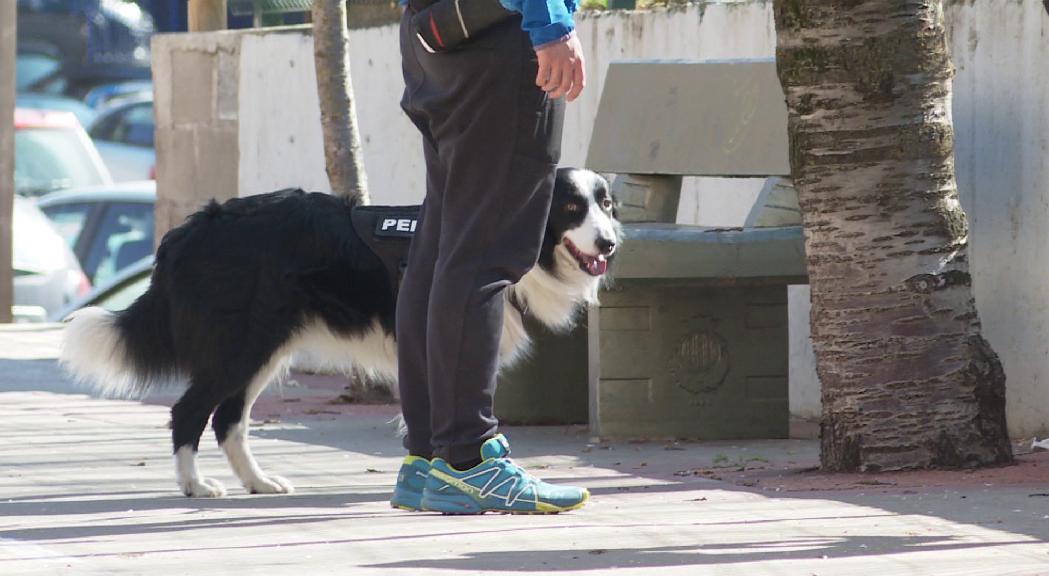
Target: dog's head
column 582, row 232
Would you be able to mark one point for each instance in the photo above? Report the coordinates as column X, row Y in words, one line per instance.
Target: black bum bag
column 441, row 26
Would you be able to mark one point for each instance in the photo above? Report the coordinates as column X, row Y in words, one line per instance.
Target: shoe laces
column 527, row 479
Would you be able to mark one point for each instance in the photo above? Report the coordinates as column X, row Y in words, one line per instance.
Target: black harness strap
column 387, row 231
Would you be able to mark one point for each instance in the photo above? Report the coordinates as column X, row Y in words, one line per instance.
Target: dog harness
column 387, row 231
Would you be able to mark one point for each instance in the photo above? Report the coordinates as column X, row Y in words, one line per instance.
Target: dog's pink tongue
column 596, row 267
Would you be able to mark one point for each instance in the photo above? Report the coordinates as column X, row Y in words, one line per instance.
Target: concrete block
column 160, row 63
column 216, row 163
column 194, row 165
column 700, row 118
column 227, row 84
column 193, row 78
column 775, row 206
column 647, row 198
column 549, row 387
column 676, row 358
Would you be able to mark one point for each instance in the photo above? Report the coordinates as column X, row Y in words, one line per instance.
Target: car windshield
column 68, row 220
column 52, row 159
column 129, row 124
column 124, row 236
column 32, row 67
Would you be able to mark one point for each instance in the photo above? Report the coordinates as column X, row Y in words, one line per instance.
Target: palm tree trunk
column 342, row 142
column 908, row 381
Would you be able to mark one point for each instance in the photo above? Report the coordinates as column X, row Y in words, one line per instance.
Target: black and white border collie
column 240, row 286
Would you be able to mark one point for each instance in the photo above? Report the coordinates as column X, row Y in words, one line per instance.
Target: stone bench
column 691, row 337
column 691, row 340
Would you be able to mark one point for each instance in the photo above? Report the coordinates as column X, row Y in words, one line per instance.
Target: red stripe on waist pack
column 436, row 34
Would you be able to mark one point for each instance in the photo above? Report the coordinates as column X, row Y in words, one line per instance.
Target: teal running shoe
column 495, row 485
column 411, row 478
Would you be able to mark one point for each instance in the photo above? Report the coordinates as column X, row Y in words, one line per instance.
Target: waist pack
column 446, row 24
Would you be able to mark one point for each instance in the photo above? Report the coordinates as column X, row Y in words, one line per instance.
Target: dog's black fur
column 237, row 285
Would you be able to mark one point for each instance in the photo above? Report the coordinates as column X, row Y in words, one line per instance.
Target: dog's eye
column 606, row 204
column 572, row 208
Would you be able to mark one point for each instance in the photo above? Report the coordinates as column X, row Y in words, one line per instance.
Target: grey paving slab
column 86, row 487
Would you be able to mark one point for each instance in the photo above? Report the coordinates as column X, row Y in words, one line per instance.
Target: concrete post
column 8, row 19
column 207, row 15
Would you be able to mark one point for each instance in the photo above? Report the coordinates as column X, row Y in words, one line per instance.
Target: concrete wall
column 1001, row 121
column 1000, row 112
column 195, row 85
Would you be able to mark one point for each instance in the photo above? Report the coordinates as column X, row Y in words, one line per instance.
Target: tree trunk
column 7, row 156
column 206, row 15
column 342, row 142
column 908, row 381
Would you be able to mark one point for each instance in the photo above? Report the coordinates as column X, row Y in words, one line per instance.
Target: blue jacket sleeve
column 544, row 20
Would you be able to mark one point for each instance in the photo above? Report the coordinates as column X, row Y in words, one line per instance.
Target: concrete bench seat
column 661, row 250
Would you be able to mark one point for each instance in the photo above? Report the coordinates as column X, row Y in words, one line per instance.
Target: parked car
column 117, row 293
column 53, row 152
column 106, row 94
column 84, row 114
column 72, row 46
column 107, row 227
column 35, row 61
column 123, row 134
column 47, row 274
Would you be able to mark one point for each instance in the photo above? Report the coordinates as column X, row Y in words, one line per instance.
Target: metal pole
column 207, row 15
column 8, row 23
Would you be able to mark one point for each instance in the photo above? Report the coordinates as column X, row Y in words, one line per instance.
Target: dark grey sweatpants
column 492, row 140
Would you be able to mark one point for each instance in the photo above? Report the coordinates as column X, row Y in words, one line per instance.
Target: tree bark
column 343, row 156
column 8, row 22
column 206, row 15
column 908, row 381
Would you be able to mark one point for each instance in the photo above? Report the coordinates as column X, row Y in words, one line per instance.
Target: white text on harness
column 398, row 224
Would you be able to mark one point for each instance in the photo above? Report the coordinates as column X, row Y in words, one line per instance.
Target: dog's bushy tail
column 123, row 354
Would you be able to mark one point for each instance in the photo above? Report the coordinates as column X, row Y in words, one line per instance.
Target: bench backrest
column 691, row 118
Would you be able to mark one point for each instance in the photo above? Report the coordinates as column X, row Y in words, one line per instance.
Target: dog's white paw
column 203, row 488
column 269, row 485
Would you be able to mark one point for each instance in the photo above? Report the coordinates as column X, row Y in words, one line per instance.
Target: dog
column 240, row 286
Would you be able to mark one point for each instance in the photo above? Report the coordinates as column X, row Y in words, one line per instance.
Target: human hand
column 561, row 69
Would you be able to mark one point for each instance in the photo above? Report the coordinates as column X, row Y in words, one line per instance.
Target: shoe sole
column 576, row 506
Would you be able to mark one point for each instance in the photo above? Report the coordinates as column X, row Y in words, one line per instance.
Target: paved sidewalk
column 87, row 487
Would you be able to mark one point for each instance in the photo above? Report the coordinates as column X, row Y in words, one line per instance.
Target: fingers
column 542, row 78
column 561, row 71
column 564, row 81
column 578, row 80
column 557, row 75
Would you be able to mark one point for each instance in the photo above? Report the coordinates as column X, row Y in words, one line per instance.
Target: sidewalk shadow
column 35, row 375
column 90, row 503
column 35, row 506
column 677, row 556
column 1019, row 510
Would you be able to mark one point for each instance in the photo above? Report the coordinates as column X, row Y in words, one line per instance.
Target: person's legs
column 498, row 140
column 412, row 316
column 494, row 142
column 413, row 303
